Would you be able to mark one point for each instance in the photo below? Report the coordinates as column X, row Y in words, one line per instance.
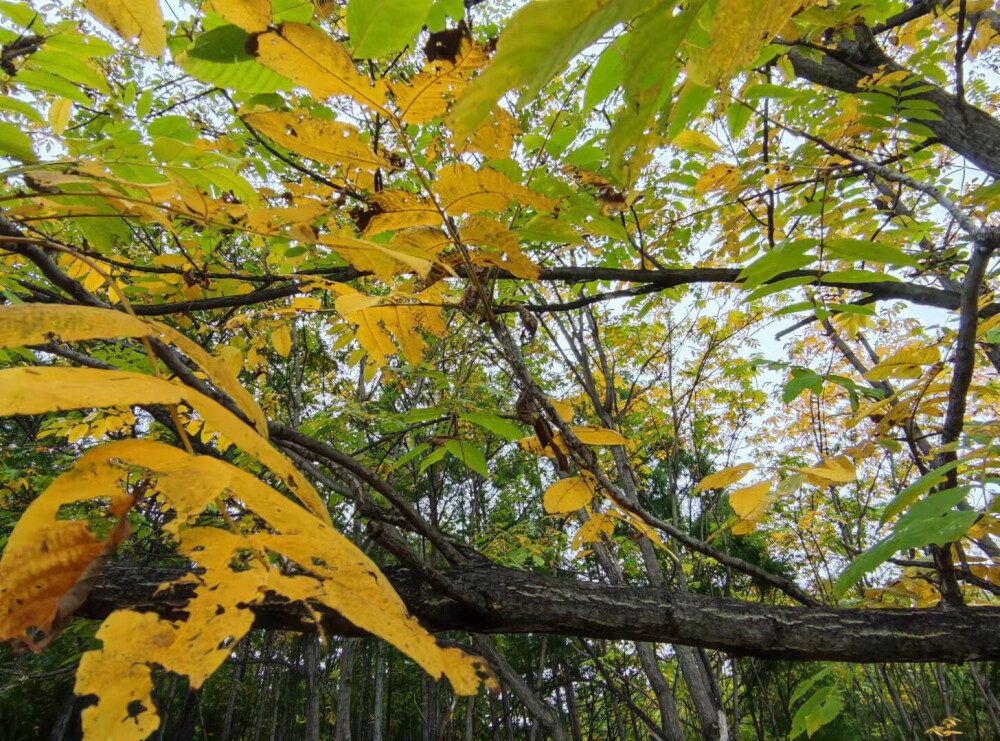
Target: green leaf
column 409, row 456
column 496, row 425
column 219, row 57
column 380, row 27
column 902, row 500
column 433, row 458
column 859, row 249
column 15, row 143
column 69, row 67
column 46, row 82
column 801, row 380
column 472, row 457
column 858, row 276
column 936, row 530
column 606, row 75
column 19, row 106
column 541, row 38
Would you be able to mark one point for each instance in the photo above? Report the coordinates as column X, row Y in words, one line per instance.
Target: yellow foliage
column 569, row 495
column 311, row 59
column 750, row 501
column 46, row 557
column 132, row 19
column 740, row 29
column 252, row 16
column 695, row 141
column 374, row 322
column 325, row 141
column 725, row 477
column 82, row 388
column 594, row 530
column 831, row 472
column 397, row 209
column 428, row 94
column 465, row 190
column 281, row 338
column 30, row 324
column 906, row 362
column 486, row 232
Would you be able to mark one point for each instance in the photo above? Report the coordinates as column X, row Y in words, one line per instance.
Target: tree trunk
column 312, row 681
column 378, row 715
column 347, row 650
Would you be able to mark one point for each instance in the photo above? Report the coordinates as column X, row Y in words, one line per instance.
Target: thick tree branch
column 963, row 128
column 521, row 602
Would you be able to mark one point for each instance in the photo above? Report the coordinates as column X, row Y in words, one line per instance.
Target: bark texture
column 520, row 602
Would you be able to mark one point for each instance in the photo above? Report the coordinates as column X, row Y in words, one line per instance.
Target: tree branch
column 521, row 602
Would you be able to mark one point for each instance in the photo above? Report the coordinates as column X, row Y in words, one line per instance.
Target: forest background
column 441, row 369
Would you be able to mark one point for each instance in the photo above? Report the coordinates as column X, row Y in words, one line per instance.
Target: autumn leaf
column 725, row 477
column 427, row 94
column 465, row 190
column 310, row 58
column 325, row 141
column 250, row 15
column 569, row 495
column 831, row 472
column 133, row 19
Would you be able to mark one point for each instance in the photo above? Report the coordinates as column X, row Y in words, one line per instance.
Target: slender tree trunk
column 571, row 706
column 470, row 707
column 312, row 681
column 670, row 720
column 897, row 703
column 540, row 710
column 279, row 680
column 379, row 689
column 538, row 681
column 189, row 718
column 710, row 715
column 992, row 706
column 234, row 685
column 343, row 732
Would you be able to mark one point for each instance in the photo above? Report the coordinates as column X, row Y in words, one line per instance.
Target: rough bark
column 963, row 128
column 524, row 603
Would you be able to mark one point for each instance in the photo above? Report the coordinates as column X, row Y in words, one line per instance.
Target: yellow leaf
column 484, row 231
column 725, row 477
column 494, row 138
column 47, row 555
column 30, row 324
column 563, row 408
column 740, row 30
column 59, row 113
column 695, row 141
column 746, row 502
column 83, row 388
column 252, row 16
column 131, row 19
column 590, row 435
column 721, row 177
column 402, row 320
column 906, row 362
column 568, row 495
column 594, row 530
column 231, row 357
column 832, row 471
column 397, row 209
column 325, row 141
column 311, row 59
column 281, row 338
column 428, row 94
column 465, row 190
